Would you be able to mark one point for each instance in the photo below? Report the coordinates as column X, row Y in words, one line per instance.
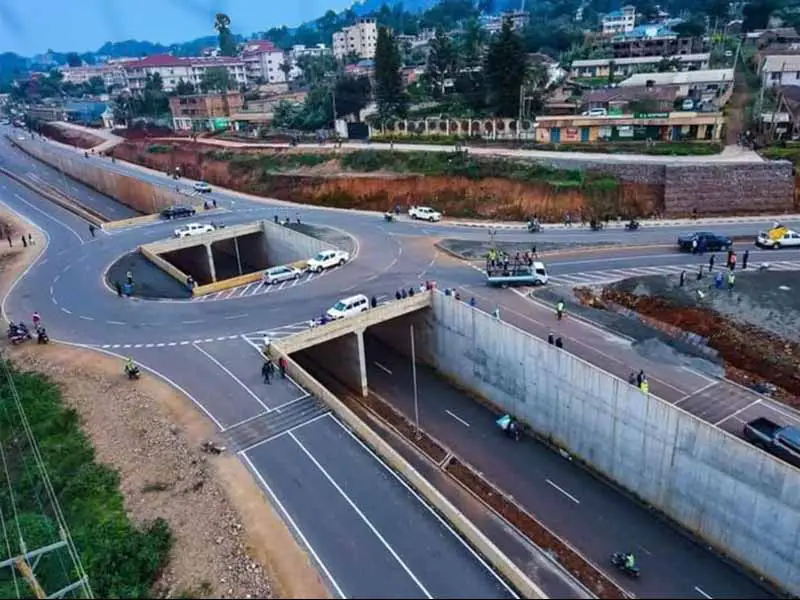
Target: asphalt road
column 562, row 495
column 205, row 348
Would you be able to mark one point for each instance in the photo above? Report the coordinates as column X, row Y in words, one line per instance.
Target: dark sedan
column 177, row 212
column 704, row 241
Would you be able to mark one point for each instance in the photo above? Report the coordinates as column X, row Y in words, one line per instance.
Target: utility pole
column 414, row 380
column 333, row 104
column 521, row 107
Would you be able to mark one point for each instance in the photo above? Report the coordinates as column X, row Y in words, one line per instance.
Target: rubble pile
column 752, row 355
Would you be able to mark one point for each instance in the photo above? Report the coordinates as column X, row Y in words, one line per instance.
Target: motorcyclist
column 629, row 561
column 130, row 367
column 37, row 319
column 42, row 336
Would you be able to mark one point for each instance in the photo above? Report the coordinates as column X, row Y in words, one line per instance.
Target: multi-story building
column 173, row 69
column 299, row 50
column 601, row 67
column 619, row 21
column 204, row 112
column 264, row 62
column 781, row 70
column 519, row 19
column 359, row 39
column 112, row 75
column 650, row 40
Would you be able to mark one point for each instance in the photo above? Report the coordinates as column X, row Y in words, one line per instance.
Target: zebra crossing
column 614, row 275
column 258, row 288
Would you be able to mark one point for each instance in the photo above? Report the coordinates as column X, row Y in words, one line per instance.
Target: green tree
column 505, row 71
column 352, row 95
column 756, row 14
column 472, row 43
column 692, row 28
column 73, row 60
column 95, row 86
column 227, row 42
column 389, row 93
column 316, row 69
column 215, row 79
column 441, row 63
column 184, row 88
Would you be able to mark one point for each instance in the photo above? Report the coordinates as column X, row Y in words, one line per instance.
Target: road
column 206, row 349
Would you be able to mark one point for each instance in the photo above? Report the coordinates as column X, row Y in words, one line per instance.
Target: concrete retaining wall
column 741, row 500
column 285, row 246
column 135, row 193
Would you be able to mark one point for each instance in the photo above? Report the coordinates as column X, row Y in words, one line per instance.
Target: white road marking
column 457, row 418
column 294, row 526
column 51, row 217
column 232, row 376
column 696, row 392
column 363, row 517
column 272, row 438
column 239, row 316
column 741, row 410
column 115, row 322
column 86, row 318
column 563, row 491
column 69, row 312
column 702, row 593
column 381, row 367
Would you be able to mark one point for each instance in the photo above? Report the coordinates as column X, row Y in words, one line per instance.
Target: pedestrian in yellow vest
column 645, row 386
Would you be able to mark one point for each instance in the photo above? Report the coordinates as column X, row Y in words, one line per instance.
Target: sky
column 31, row 27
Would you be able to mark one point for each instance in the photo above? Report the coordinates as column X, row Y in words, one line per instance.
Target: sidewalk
column 111, row 140
column 727, row 156
column 717, row 401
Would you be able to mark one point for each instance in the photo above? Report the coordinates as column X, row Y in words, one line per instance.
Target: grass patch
column 159, row 149
column 789, row 151
column 273, row 163
column 121, row 560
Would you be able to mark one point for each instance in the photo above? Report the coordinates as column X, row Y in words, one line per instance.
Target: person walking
column 745, row 258
column 496, row 313
column 711, row 260
column 92, row 229
column 731, row 281
column 266, row 371
column 282, row 367
column 118, row 287
column 560, row 310
column 732, row 264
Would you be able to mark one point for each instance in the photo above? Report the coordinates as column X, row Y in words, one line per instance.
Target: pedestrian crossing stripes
column 255, row 338
column 613, row 275
column 259, row 289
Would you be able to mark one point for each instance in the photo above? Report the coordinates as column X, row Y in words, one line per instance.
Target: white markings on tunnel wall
column 293, row 525
column 362, row 516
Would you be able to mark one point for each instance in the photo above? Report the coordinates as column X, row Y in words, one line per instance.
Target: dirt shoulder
column 229, row 541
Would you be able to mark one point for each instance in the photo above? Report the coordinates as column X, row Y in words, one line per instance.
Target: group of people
column 20, row 330
column 640, row 380
column 268, row 369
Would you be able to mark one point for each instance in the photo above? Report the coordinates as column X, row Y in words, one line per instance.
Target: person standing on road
column 711, row 260
column 91, row 229
column 732, row 264
column 37, row 319
column 282, row 367
column 560, row 310
column 731, row 280
column 682, row 280
column 129, row 277
column 118, row 287
column 745, row 258
column 266, row 371
column 496, row 313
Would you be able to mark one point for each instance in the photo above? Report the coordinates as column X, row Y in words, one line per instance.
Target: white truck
column 424, row 213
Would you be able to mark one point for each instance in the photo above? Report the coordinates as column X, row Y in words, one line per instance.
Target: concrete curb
column 476, row 538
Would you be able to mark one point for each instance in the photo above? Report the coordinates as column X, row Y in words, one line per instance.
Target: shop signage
column 661, row 115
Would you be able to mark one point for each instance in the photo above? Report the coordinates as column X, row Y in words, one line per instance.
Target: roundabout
column 208, row 347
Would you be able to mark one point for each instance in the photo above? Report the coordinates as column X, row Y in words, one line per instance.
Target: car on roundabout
column 281, row 274
column 778, row 237
column 193, row 229
column 424, row 213
column 327, row 259
column 201, row 187
column 704, row 241
column 178, row 212
column 347, row 307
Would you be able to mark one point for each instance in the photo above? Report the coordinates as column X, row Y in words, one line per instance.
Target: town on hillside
column 545, row 77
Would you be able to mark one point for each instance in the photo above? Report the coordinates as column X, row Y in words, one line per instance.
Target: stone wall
column 729, row 188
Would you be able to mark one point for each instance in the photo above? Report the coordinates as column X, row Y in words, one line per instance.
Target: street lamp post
column 414, row 379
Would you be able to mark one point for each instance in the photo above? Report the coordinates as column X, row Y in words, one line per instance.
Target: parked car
column 327, row 259
column 424, row 213
column 202, row 187
column 177, row 212
column 281, row 274
column 347, row 307
column 706, row 242
column 193, row 229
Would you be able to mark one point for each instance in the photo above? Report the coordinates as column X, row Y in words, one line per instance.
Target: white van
column 347, row 307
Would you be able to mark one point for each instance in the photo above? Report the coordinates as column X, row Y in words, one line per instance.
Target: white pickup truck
column 424, row 213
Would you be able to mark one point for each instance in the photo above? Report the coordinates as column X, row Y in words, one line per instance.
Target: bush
column 159, row 149
column 121, row 560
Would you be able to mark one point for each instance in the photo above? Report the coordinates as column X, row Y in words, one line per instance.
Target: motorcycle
column 389, row 217
column 596, row 226
column 132, row 372
column 618, row 560
column 632, row 225
column 19, row 334
column 534, row 227
column 509, row 426
column 41, row 336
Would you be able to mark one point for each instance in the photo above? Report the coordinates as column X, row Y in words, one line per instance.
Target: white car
column 202, row 187
column 326, row 260
column 347, row 307
column 281, row 274
column 424, row 213
column 193, row 229
column 779, row 237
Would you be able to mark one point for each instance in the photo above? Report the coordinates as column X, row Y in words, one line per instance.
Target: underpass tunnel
column 194, row 261
column 347, row 359
column 239, row 255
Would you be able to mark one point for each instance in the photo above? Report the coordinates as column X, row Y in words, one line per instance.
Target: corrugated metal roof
column 783, row 62
column 640, row 60
column 679, row 78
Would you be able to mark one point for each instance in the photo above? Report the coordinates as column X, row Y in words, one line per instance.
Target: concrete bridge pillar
column 210, row 256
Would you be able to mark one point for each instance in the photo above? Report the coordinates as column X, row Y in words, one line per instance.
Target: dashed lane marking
column 253, row 337
column 258, row 288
